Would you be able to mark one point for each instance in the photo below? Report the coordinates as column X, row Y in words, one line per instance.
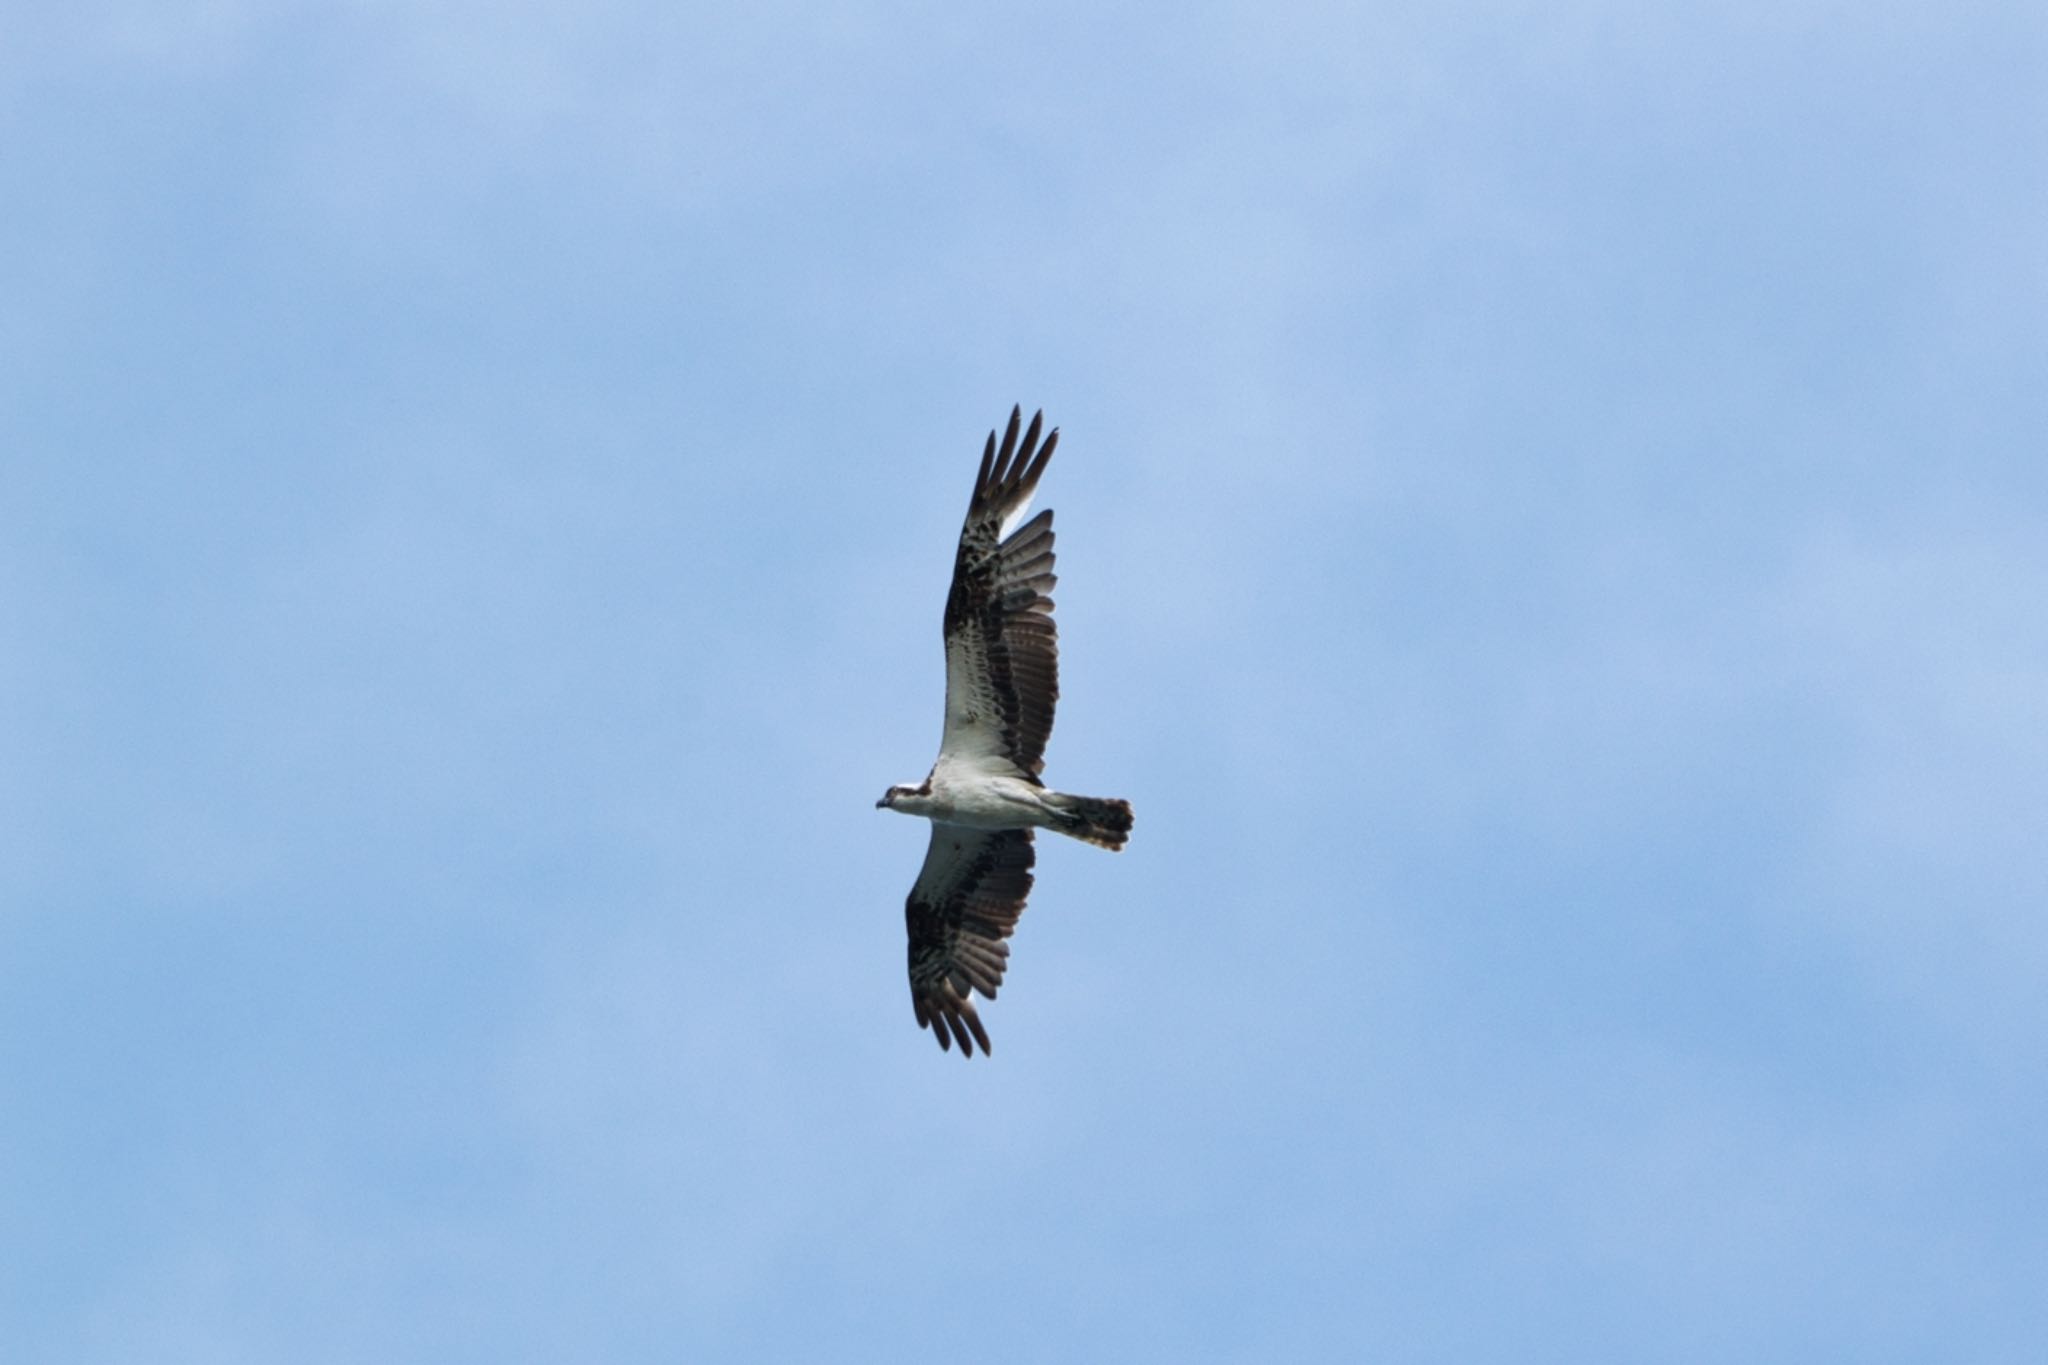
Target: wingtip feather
column 1009, row 446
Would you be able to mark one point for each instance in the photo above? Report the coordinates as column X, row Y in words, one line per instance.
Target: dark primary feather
column 964, row 905
column 1002, row 653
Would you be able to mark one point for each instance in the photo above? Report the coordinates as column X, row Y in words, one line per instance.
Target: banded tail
column 1104, row 821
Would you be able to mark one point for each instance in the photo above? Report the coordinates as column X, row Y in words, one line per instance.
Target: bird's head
column 897, row 793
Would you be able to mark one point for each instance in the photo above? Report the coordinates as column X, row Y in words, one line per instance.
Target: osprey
column 983, row 795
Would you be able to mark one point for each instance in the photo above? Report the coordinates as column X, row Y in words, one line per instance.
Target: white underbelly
column 980, row 802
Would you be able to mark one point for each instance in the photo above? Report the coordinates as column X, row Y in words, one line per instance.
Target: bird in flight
column 983, row 795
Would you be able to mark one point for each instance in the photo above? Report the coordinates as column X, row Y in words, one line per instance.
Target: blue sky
column 1552, row 544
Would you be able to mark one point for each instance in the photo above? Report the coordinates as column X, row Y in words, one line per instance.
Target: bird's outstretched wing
column 1002, row 656
column 965, row 903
